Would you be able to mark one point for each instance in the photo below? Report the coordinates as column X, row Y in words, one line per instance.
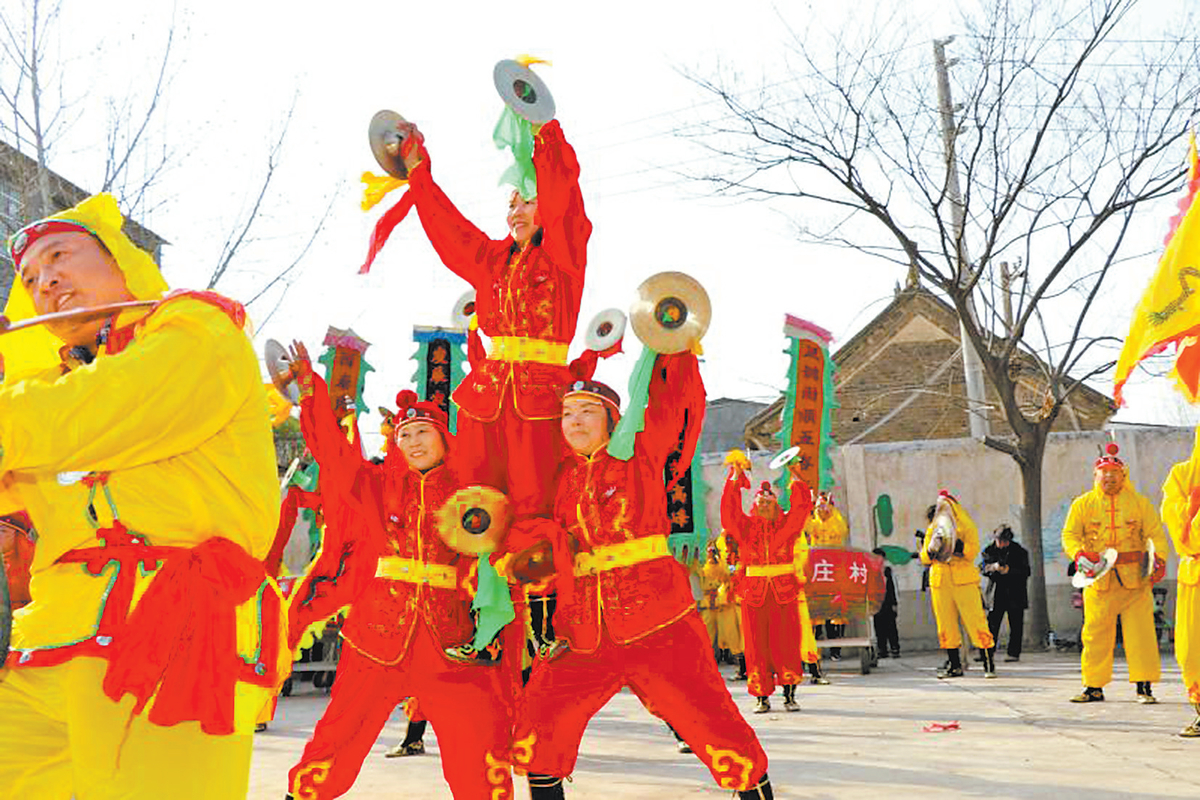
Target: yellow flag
column 1169, row 311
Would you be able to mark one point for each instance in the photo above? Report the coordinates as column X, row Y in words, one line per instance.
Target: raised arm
column 733, row 519
column 565, row 226
column 186, row 376
column 461, row 246
column 674, row 413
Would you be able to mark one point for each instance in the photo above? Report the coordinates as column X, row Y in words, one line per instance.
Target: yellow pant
column 724, row 627
column 1187, row 643
column 1135, row 607
column 808, row 646
column 951, row 602
column 61, row 737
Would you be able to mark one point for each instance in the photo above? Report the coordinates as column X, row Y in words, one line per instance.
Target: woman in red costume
column 768, row 585
column 528, row 287
column 626, row 616
column 410, row 610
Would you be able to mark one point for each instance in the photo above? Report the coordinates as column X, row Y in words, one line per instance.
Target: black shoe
column 1011, row 659
column 684, row 747
column 895, row 654
column 1144, row 695
column 260, row 727
column 789, row 698
column 989, row 664
column 549, row 652
column 1090, row 694
column 761, row 790
column 949, row 670
column 882, row 654
column 545, row 787
column 762, row 705
column 416, row 748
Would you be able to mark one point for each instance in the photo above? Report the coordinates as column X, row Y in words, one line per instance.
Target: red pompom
column 766, row 486
column 406, row 398
column 1111, row 448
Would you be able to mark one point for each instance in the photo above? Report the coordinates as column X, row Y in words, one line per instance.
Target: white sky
column 619, row 94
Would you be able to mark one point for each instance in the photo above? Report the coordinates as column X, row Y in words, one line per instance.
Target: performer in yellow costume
column 1114, row 515
column 143, row 454
column 809, row 654
column 718, row 606
column 827, row 528
column 1181, row 501
column 954, row 586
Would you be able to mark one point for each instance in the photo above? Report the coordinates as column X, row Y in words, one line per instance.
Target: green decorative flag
column 620, row 446
column 440, row 360
column 808, row 405
column 516, row 135
column 493, row 604
column 686, row 509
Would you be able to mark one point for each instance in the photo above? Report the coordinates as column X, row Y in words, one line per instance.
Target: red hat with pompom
column 1110, row 460
column 765, row 488
column 410, row 409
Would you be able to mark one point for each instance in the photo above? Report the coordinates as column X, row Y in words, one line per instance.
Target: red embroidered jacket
column 534, row 295
column 389, row 512
column 602, row 501
column 763, row 542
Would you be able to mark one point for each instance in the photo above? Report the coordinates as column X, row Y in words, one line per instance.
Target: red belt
column 1130, row 557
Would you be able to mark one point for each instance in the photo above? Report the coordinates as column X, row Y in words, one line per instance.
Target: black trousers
column 1016, row 627
column 886, row 632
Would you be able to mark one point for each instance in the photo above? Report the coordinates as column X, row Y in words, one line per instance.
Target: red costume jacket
column 533, row 295
column 765, row 543
column 396, row 567
column 616, row 511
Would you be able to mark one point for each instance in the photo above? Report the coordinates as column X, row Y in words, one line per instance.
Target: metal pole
column 972, row 367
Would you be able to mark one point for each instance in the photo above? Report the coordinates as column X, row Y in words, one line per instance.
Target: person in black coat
column 1006, row 565
column 885, row 621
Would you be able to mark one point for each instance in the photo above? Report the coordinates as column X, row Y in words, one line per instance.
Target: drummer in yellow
column 954, row 585
column 140, row 445
column 1181, row 501
column 827, row 528
column 1114, row 515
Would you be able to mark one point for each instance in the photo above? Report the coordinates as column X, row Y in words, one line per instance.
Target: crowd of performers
column 139, row 445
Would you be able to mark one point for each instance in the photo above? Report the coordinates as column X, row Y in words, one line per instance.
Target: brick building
column 900, row 379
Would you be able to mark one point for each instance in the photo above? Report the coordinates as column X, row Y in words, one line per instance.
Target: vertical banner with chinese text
column 808, row 403
column 440, row 360
column 346, row 367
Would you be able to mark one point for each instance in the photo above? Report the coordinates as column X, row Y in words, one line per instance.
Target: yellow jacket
column 1183, row 478
column 826, row 532
column 961, row 569
column 1123, row 522
column 179, row 419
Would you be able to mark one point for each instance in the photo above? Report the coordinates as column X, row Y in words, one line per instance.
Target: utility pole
column 972, row 367
column 1006, row 297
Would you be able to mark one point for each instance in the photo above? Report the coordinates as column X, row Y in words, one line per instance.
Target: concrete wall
column 988, row 485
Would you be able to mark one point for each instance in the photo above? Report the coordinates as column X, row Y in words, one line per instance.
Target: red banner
column 843, row 583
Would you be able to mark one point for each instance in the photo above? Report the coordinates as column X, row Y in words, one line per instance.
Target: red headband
column 20, row 243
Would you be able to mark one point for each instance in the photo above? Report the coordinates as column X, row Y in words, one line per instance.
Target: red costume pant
column 671, row 671
column 467, row 706
column 515, row 455
column 773, row 641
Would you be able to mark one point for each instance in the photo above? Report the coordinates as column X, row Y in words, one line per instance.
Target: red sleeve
column 461, row 246
column 674, row 413
column 802, row 508
column 565, row 226
column 733, row 519
column 338, row 459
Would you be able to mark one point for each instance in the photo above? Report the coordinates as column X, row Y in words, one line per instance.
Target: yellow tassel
column 697, row 348
column 525, row 60
column 737, row 458
column 376, row 187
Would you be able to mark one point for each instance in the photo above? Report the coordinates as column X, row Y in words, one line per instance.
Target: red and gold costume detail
column 410, row 606
column 630, row 617
column 527, row 302
column 954, row 586
column 1181, row 500
column 768, row 585
column 152, row 632
column 1124, row 522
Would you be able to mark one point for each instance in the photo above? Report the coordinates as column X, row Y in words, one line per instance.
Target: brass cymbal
column 474, row 520
column 606, row 329
column 279, row 363
column 523, row 91
column 386, row 143
column 671, row 313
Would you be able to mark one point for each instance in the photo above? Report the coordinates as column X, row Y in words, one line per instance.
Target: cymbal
column 671, row 313
column 785, row 457
column 464, row 309
column 605, row 330
column 386, row 143
column 278, row 362
column 523, row 91
column 474, row 520
column 74, row 315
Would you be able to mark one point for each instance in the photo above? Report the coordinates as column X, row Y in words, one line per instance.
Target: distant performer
column 1113, row 515
column 1006, row 565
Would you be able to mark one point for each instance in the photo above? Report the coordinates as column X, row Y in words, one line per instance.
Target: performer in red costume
column 412, row 607
column 767, row 585
column 528, row 287
column 627, row 617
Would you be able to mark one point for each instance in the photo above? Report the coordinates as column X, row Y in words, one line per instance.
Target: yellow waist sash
column 769, row 570
column 412, row 570
column 622, row 554
column 523, row 348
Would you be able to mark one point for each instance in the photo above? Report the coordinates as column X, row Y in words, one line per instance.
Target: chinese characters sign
column 440, row 362
column 843, row 583
column 808, row 401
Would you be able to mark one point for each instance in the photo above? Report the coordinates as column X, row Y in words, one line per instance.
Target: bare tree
column 1069, row 119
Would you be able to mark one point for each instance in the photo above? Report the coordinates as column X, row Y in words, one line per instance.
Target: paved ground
column 859, row 737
